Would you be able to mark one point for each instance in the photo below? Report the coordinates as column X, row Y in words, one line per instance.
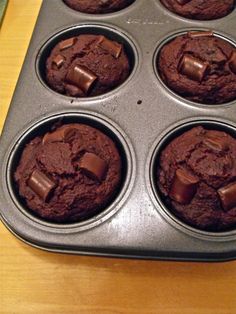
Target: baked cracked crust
column 195, row 172
column 218, row 85
column 200, row 9
column 82, row 169
column 101, row 59
column 98, row 6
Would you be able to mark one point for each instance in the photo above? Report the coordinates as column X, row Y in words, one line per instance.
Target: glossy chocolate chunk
column 64, row 133
column 41, row 184
column 58, row 61
column 193, row 68
column 93, row 166
column 183, row 187
column 112, row 47
column 200, row 34
column 65, row 44
column 216, row 143
column 81, row 77
column 228, row 196
column 182, row 2
column 232, row 62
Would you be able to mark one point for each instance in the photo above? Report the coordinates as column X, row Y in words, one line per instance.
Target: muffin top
column 200, row 67
column 86, row 65
column 69, row 174
column 98, row 6
column 196, row 175
column 200, row 9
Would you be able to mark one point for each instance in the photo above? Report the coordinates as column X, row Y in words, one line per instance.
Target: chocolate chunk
column 67, row 43
column 193, row 68
column 112, row 47
column 232, row 62
column 58, row 61
column 63, row 134
column 93, row 166
column 200, row 34
column 183, row 187
column 228, row 196
column 182, row 2
column 216, row 143
column 82, row 77
column 41, row 184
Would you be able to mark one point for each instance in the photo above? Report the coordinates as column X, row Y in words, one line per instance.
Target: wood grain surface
column 34, row 281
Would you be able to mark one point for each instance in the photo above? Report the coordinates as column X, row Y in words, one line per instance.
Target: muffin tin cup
column 44, row 126
column 169, row 38
column 141, row 115
column 87, row 28
column 159, row 145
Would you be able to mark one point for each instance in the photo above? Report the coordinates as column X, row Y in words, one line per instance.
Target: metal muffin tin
column 141, row 115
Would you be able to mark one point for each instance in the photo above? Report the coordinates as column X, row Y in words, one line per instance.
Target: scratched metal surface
column 139, row 114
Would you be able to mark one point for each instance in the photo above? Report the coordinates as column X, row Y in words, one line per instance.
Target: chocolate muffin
column 98, row 6
column 196, row 175
column 86, row 65
column 200, row 9
column 69, row 174
column 199, row 67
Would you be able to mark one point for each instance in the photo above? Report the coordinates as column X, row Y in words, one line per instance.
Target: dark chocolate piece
column 183, row 187
column 82, row 77
column 228, row 196
column 67, row 43
column 60, row 135
column 112, row 47
column 232, row 62
column 58, row 61
column 216, row 143
column 41, row 184
column 193, row 68
column 200, row 34
column 93, row 166
column 182, row 2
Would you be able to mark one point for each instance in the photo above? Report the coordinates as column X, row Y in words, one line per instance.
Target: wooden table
column 34, row 281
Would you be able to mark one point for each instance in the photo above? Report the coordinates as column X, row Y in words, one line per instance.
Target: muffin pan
column 141, row 116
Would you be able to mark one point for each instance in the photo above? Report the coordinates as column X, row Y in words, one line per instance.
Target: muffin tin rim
column 110, row 28
column 114, row 205
column 163, row 41
column 156, row 148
